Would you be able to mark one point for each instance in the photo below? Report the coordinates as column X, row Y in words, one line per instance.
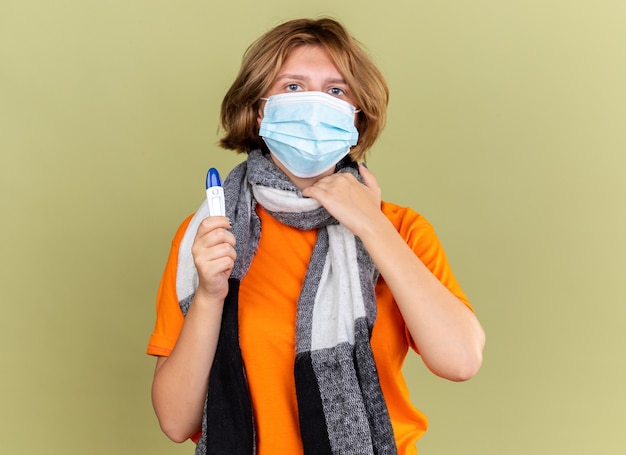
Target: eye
column 292, row 87
column 336, row 91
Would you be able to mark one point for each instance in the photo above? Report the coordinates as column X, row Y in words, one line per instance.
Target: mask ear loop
column 347, row 161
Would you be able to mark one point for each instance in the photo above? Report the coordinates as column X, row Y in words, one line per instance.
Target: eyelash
column 334, row 91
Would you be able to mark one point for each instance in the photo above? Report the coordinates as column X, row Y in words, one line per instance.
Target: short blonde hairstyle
column 261, row 65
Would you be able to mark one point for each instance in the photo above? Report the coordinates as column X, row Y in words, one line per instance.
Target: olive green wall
column 507, row 129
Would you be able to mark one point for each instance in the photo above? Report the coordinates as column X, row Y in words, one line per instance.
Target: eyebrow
column 300, row 77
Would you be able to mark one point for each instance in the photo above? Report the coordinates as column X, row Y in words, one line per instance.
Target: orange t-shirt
column 267, row 320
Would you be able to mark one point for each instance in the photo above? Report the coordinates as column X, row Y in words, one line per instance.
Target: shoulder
column 405, row 219
column 418, row 233
column 420, row 236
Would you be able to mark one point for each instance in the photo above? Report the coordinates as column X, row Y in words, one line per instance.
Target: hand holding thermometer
column 215, row 193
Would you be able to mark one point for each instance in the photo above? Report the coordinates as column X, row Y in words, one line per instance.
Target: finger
column 215, row 266
column 309, row 191
column 214, row 260
column 214, row 238
column 213, row 222
column 210, row 253
column 368, row 177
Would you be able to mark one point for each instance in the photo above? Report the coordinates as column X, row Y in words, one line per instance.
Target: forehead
column 308, row 60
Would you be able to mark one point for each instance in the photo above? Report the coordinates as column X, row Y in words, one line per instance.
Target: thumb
column 368, row 178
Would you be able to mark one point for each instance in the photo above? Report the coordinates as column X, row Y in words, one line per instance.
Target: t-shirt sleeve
column 169, row 317
column 420, row 236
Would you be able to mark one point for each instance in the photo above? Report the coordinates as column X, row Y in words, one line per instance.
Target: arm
column 447, row 333
column 180, row 381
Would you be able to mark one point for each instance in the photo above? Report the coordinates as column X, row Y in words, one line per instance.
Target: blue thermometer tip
column 213, row 178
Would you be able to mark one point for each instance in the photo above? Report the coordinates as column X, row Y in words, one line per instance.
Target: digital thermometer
column 215, row 193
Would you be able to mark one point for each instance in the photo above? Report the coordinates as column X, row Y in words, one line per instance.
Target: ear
column 259, row 114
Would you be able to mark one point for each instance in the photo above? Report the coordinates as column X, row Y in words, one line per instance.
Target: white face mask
column 308, row 132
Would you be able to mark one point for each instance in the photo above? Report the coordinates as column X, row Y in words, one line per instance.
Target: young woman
column 282, row 327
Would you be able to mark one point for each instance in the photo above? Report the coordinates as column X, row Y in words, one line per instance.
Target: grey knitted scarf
column 340, row 403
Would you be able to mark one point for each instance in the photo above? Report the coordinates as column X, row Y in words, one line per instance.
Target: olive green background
column 507, row 130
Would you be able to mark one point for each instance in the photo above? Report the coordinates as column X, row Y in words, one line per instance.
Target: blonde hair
column 262, row 62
